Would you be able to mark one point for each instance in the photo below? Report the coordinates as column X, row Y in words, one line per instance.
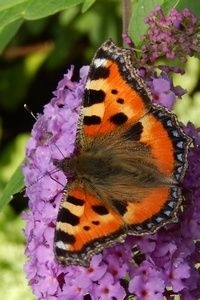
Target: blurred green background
column 30, row 67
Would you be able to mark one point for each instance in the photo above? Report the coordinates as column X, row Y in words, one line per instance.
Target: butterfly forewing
column 114, row 93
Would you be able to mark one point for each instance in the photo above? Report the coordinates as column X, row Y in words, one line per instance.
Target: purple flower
column 162, row 93
column 177, row 273
column 163, row 90
column 173, row 36
column 193, row 132
column 127, row 40
column 108, row 288
column 147, row 282
column 144, row 266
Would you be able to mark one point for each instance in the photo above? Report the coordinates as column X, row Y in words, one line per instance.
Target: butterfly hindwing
column 168, row 144
column 167, row 141
column 84, row 224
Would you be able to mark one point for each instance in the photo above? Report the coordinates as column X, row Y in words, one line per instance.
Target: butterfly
column 130, row 158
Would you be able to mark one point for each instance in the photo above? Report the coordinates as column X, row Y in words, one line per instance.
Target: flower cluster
column 148, row 267
column 172, row 36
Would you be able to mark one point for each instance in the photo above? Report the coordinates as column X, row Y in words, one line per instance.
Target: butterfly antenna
column 27, row 108
column 50, row 173
column 59, row 150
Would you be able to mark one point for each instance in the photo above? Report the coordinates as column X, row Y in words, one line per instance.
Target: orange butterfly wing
column 117, row 100
column 114, row 93
column 82, row 227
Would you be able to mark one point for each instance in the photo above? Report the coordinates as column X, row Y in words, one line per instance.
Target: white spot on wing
column 98, row 62
column 61, row 245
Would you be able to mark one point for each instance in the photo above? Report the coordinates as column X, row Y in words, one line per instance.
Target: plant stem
column 126, row 15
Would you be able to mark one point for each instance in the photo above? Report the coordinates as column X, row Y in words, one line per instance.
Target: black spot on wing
column 64, row 237
column 95, row 222
column 100, row 72
column 75, row 201
column 93, row 97
column 91, row 120
column 134, row 132
column 119, row 118
column 86, row 228
column 114, row 91
column 100, row 209
column 120, row 206
column 65, row 216
column 120, row 101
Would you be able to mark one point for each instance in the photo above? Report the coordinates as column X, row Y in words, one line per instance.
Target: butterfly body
column 125, row 173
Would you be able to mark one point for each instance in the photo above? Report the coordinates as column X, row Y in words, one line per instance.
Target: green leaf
column 19, row 10
column 137, row 27
column 87, row 4
column 194, row 6
column 9, row 14
column 36, row 9
column 7, row 32
column 12, row 257
column 167, row 5
column 15, row 185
